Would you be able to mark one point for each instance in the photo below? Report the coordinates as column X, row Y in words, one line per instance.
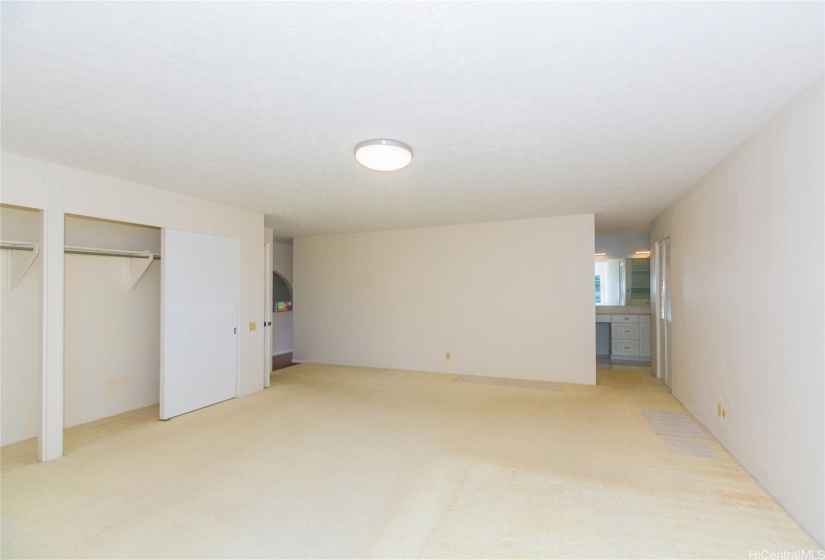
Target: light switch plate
column 252, row 326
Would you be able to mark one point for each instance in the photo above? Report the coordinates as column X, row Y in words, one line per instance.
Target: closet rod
column 20, row 246
column 110, row 253
column 15, row 246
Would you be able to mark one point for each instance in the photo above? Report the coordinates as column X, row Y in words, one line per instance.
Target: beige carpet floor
column 354, row 462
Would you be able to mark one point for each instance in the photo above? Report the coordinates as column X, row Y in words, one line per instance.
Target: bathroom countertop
column 622, row 310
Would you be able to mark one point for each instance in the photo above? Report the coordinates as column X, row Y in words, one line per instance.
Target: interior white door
column 665, row 323
column 267, row 313
column 198, row 313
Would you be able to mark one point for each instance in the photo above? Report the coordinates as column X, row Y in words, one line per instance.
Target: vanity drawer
column 626, row 330
column 625, row 347
column 624, row 318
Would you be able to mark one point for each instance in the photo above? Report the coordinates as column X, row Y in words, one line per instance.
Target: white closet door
column 198, row 313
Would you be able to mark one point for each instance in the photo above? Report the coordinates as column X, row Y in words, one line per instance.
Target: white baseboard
column 294, row 361
column 281, row 353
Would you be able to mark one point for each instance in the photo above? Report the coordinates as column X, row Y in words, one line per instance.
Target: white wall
column 251, row 281
column 112, row 333
column 282, row 333
column 622, row 246
column 282, row 260
column 82, row 231
column 59, row 190
column 20, row 333
column 282, row 327
column 747, row 257
column 507, row 299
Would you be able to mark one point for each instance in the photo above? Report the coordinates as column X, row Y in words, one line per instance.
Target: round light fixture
column 383, row 155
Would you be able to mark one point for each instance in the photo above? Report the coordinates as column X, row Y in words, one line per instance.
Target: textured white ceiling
column 514, row 110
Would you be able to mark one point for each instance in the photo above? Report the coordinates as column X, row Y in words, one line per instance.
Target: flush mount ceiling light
column 383, row 155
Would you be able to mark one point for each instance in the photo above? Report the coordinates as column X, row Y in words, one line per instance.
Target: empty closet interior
column 112, row 318
column 21, row 297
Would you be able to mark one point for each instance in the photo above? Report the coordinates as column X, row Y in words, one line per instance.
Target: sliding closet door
column 199, row 310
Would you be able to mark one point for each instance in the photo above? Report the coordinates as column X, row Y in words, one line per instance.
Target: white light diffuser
column 383, row 155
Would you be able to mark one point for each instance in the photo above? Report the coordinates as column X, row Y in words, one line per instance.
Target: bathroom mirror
column 623, row 281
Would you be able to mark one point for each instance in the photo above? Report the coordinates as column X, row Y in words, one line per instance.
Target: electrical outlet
column 253, row 326
column 448, row 355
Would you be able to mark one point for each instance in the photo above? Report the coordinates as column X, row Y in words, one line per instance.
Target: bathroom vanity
column 622, row 296
column 623, row 332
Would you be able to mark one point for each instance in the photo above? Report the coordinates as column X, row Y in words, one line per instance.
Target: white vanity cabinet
column 630, row 337
column 644, row 336
column 624, row 336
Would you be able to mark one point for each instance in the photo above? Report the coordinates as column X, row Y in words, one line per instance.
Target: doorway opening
column 281, row 322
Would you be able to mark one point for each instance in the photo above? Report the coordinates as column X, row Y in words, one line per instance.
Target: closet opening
column 112, row 318
column 21, row 302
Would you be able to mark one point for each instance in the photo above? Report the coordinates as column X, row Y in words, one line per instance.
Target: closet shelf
column 22, row 256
